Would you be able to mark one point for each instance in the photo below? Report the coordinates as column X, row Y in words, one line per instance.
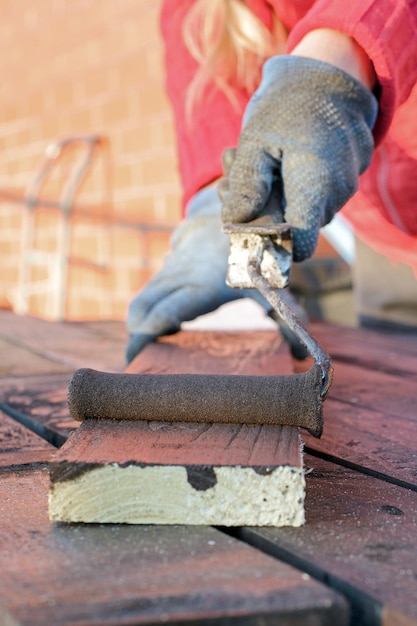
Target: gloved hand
column 306, row 132
column 192, row 281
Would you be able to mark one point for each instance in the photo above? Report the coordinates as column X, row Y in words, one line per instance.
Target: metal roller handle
column 320, row 356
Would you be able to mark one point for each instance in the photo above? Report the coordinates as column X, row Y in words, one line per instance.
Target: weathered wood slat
column 43, row 398
column 360, row 536
column 370, row 416
column 394, row 353
column 252, row 353
column 246, row 445
column 20, row 447
column 40, row 403
column 389, row 394
column 120, row 574
column 372, row 441
column 20, row 361
column 380, row 441
column 224, row 474
column 60, row 346
column 153, row 472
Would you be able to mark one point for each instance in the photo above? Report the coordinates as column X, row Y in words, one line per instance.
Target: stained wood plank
column 372, row 441
column 40, row 403
column 20, row 447
column 224, row 474
column 153, row 472
column 393, row 353
column 194, row 352
column 68, row 345
column 247, row 445
column 19, row 361
column 119, row 574
column 370, row 416
column 392, row 395
column 367, row 605
column 355, row 431
column 360, row 536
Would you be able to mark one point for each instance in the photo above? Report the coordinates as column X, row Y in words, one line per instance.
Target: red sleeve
column 216, row 122
column 386, row 30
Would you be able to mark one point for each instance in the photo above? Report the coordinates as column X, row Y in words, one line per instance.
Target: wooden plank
column 362, row 387
column 354, row 431
column 394, row 353
column 370, row 415
column 360, row 537
column 198, row 352
column 19, row 447
column 40, row 403
column 369, row 440
column 224, row 474
column 19, row 361
column 151, row 472
column 69, row 345
column 120, row 574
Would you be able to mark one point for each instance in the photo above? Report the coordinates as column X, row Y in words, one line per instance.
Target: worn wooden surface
column 219, row 474
column 38, row 360
column 363, row 427
column 39, row 403
column 36, row 346
column 216, row 353
column 19, row 447
column 150, row 472
column 120, row 574
column 360, row 532
column 371, row 412
column 390, row 353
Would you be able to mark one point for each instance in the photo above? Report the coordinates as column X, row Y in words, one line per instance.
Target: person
column 319, row 100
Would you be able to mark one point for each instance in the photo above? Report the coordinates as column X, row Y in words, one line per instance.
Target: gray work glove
column 306, row 133
column 192, row 281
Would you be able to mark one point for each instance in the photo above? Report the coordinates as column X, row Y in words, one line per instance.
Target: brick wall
column 76, row 68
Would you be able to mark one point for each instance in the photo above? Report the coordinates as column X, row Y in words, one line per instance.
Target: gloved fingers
column 136, row 344
column 146, row 318
column 192, row 265
column 228, row 158
column 249, row 184
column 308, row 184
column 166, row 315
column 223, row 188
column 153, row 314
column 139, row 340
column 140, row 307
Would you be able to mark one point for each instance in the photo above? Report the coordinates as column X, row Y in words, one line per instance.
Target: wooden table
column 354, row 562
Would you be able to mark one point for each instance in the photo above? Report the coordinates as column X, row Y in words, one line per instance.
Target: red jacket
column 384, row 210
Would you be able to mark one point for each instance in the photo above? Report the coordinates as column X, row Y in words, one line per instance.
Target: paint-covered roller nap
column 293, row 400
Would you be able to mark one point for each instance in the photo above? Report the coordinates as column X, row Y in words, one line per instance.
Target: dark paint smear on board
column 200, row 477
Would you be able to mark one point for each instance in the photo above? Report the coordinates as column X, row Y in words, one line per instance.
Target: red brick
column 160, row 167
column 152, row 101
column 92, row 71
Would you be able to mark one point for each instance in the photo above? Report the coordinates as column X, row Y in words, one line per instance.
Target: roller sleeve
column 293, row 400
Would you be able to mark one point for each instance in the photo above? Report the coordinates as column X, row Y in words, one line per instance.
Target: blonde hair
column 230, row 44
